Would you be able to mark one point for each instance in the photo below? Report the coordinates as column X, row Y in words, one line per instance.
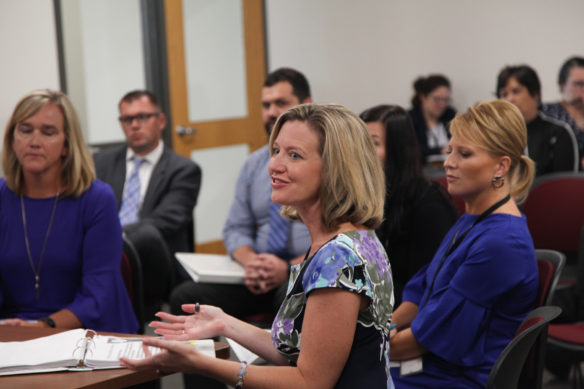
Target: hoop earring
column 498, row 182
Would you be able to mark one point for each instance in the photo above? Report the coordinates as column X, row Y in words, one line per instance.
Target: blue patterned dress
column 354, row 261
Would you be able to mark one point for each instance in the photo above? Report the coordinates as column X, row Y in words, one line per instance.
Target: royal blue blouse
column 480, row 295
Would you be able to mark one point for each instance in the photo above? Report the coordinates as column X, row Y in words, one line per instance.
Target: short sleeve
column 336, row 266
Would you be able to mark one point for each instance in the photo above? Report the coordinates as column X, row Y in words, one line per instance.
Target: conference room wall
column 28, row 44
column 361, row 53
column 354, row 53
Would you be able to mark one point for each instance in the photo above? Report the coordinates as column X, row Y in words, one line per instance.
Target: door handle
column 182, row 130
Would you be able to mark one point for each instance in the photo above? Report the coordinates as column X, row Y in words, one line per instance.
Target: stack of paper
column 212, row 268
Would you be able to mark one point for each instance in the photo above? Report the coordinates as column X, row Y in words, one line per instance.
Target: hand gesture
column 174, row 356
column 206, row 322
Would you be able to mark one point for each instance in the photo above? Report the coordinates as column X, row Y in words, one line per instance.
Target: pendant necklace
column 37, row 271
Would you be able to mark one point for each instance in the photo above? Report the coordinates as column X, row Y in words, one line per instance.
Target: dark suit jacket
column 170, row 198
column 421, row 128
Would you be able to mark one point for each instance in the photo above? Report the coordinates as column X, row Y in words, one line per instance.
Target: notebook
column 211, row 268
column 76, row 350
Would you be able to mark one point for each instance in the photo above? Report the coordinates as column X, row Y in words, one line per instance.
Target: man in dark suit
column 156, row 191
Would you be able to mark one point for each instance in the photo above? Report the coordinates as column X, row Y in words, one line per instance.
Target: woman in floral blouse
column 332, row 328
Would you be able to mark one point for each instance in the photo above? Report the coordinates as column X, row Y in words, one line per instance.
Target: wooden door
column 246, row 128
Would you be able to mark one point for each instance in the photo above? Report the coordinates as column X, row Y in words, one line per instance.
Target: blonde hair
column 498, row 127
column 353, row 184
column 77, row 169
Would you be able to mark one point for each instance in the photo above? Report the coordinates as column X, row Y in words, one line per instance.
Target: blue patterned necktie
column 131, row 199
column 278, row 238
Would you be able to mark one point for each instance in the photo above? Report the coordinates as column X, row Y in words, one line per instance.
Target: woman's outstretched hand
column 208, row 322
column 174, row 356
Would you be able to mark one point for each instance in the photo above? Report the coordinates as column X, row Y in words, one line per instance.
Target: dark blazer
column 422, row 128
column 170, row 197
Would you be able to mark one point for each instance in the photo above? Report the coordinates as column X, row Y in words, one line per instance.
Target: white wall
column 362, row 53
column 104, row 59
column 357, row 53
column 29, row 51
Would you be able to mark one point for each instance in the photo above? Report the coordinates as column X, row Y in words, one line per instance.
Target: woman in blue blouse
column 333, row 326
column 461, row 310
column 60, row 236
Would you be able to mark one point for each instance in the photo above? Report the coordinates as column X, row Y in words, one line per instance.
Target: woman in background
column 418, row 212
column 460, row 311
column 60, row 236
column 570, row 109
column 431, row 114
column 331, row 330
column 550, row 143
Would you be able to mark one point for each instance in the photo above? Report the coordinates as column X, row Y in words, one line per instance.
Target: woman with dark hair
column 418, row 212
column 550, row 143
column 431, row 114
column 571, row 108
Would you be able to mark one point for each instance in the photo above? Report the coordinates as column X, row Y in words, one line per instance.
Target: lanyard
column 456, row 242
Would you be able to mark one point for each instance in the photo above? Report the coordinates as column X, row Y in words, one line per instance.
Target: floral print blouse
column 355, row 261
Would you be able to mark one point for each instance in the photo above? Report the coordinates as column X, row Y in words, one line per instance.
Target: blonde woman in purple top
column 60, row 236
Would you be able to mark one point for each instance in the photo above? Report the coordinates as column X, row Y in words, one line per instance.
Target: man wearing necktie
column 156, row 191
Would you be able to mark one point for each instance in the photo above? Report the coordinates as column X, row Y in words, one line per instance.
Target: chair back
column 132, row 276
column 507, row 369
column 555, row 213
column 550, row 264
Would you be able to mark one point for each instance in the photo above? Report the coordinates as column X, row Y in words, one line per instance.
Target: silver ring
column 197, row 307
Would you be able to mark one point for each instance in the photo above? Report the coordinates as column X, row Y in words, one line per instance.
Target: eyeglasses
column 441, row 100
column 141, row 117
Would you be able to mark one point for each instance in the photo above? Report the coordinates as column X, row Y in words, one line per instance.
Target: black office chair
column 550, row 264
column 556, row 261
column 506, row 372
column 132, row 275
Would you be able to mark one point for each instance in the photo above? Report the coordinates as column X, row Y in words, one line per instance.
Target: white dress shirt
column 145, row 172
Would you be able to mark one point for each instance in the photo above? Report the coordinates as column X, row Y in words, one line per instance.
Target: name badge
column 411, row 366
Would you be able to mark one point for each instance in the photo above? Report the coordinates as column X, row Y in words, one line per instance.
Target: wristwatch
column 50, row 322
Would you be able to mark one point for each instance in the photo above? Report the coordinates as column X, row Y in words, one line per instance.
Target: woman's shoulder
column 355, row 239
column 98, row 194
column 4, row 189
column 497, row 222
column 505, row 231
column 349, row 247
column 358, row 249
column 98, row 188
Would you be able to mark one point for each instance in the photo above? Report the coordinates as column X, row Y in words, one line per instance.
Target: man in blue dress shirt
column 253, row 220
